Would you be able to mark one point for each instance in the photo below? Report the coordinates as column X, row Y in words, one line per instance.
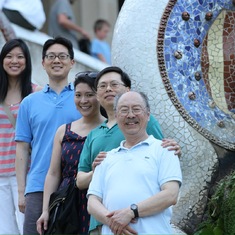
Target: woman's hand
column 42, row 222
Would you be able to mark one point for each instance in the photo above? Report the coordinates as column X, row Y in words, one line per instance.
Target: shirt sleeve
column 95, row 187
column 169, row 169
column 153, row 128
column 85, row 162
column 64, row 7
column 23, row 129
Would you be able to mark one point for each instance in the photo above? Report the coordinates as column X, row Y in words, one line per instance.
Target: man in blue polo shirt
column 40, row 115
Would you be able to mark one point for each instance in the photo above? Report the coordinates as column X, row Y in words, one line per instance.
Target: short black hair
column 100, row 23
column 58, row 40
column 124, row 76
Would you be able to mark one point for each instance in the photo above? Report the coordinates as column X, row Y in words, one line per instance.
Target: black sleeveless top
column 72, row 145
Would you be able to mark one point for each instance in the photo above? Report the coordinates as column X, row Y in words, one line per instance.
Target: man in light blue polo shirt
column 133, row 189
column 39, row 116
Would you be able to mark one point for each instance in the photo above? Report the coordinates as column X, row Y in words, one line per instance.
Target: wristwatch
column 134, row 208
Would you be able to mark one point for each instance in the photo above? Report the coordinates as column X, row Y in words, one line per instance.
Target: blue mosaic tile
column 180, row 35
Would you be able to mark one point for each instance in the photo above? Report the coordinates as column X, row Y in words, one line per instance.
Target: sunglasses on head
column 86, row 74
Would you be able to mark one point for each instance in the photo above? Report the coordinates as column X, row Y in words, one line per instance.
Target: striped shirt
column 7, row 142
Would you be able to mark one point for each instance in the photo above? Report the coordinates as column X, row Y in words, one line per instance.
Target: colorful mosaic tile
column 197, row 42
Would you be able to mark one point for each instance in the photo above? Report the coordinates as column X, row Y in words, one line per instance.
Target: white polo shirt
column 129, row 176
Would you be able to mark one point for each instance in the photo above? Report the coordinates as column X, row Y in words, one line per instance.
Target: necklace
column 10, row 105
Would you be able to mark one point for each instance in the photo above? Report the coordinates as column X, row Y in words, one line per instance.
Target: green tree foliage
column 221, row 209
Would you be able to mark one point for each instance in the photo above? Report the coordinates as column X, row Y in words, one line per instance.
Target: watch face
column 133, row 206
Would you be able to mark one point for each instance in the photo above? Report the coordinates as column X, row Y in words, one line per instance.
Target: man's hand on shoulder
column 173, row 146
column 99, row 158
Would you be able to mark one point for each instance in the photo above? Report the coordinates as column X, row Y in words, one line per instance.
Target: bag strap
column 9, row 114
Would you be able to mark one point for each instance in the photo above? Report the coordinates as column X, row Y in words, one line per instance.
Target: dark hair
column 87, row 77
column 124, row 76
column 142, row 94
column 25, row 76
column 100, row 23
column 58, row 40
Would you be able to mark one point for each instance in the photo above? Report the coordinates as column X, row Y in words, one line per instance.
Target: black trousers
column 16, row 18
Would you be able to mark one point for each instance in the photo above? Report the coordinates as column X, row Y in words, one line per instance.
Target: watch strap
column 134, row 208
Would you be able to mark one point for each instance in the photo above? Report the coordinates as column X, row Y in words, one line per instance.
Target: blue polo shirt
column 40, row 114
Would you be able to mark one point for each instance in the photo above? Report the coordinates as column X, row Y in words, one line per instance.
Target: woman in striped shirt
column 15, row 84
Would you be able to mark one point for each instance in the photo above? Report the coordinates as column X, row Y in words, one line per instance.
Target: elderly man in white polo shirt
column 133, row 189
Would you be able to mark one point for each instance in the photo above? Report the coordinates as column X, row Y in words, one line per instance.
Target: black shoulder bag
column 64, row 211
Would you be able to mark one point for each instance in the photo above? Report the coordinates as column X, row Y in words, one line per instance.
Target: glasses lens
column 86, row 74
column 50, row 56
column 63, row 56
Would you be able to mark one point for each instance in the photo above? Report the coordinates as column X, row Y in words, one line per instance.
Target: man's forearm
column 68, row 24
column 97, row 209
column 160, row 201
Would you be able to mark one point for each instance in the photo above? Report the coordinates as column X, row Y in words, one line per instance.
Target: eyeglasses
column 86, row 74
column 113, row 85
column 61, row 56
column 135, row 111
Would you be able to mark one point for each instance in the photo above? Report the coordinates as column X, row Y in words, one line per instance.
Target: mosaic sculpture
column 182, row 54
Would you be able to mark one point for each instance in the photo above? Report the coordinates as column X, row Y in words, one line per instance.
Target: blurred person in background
column 25, row 13
column 100, row 49
column 62, row 22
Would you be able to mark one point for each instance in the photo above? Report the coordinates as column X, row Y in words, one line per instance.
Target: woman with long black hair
column 15, row 84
